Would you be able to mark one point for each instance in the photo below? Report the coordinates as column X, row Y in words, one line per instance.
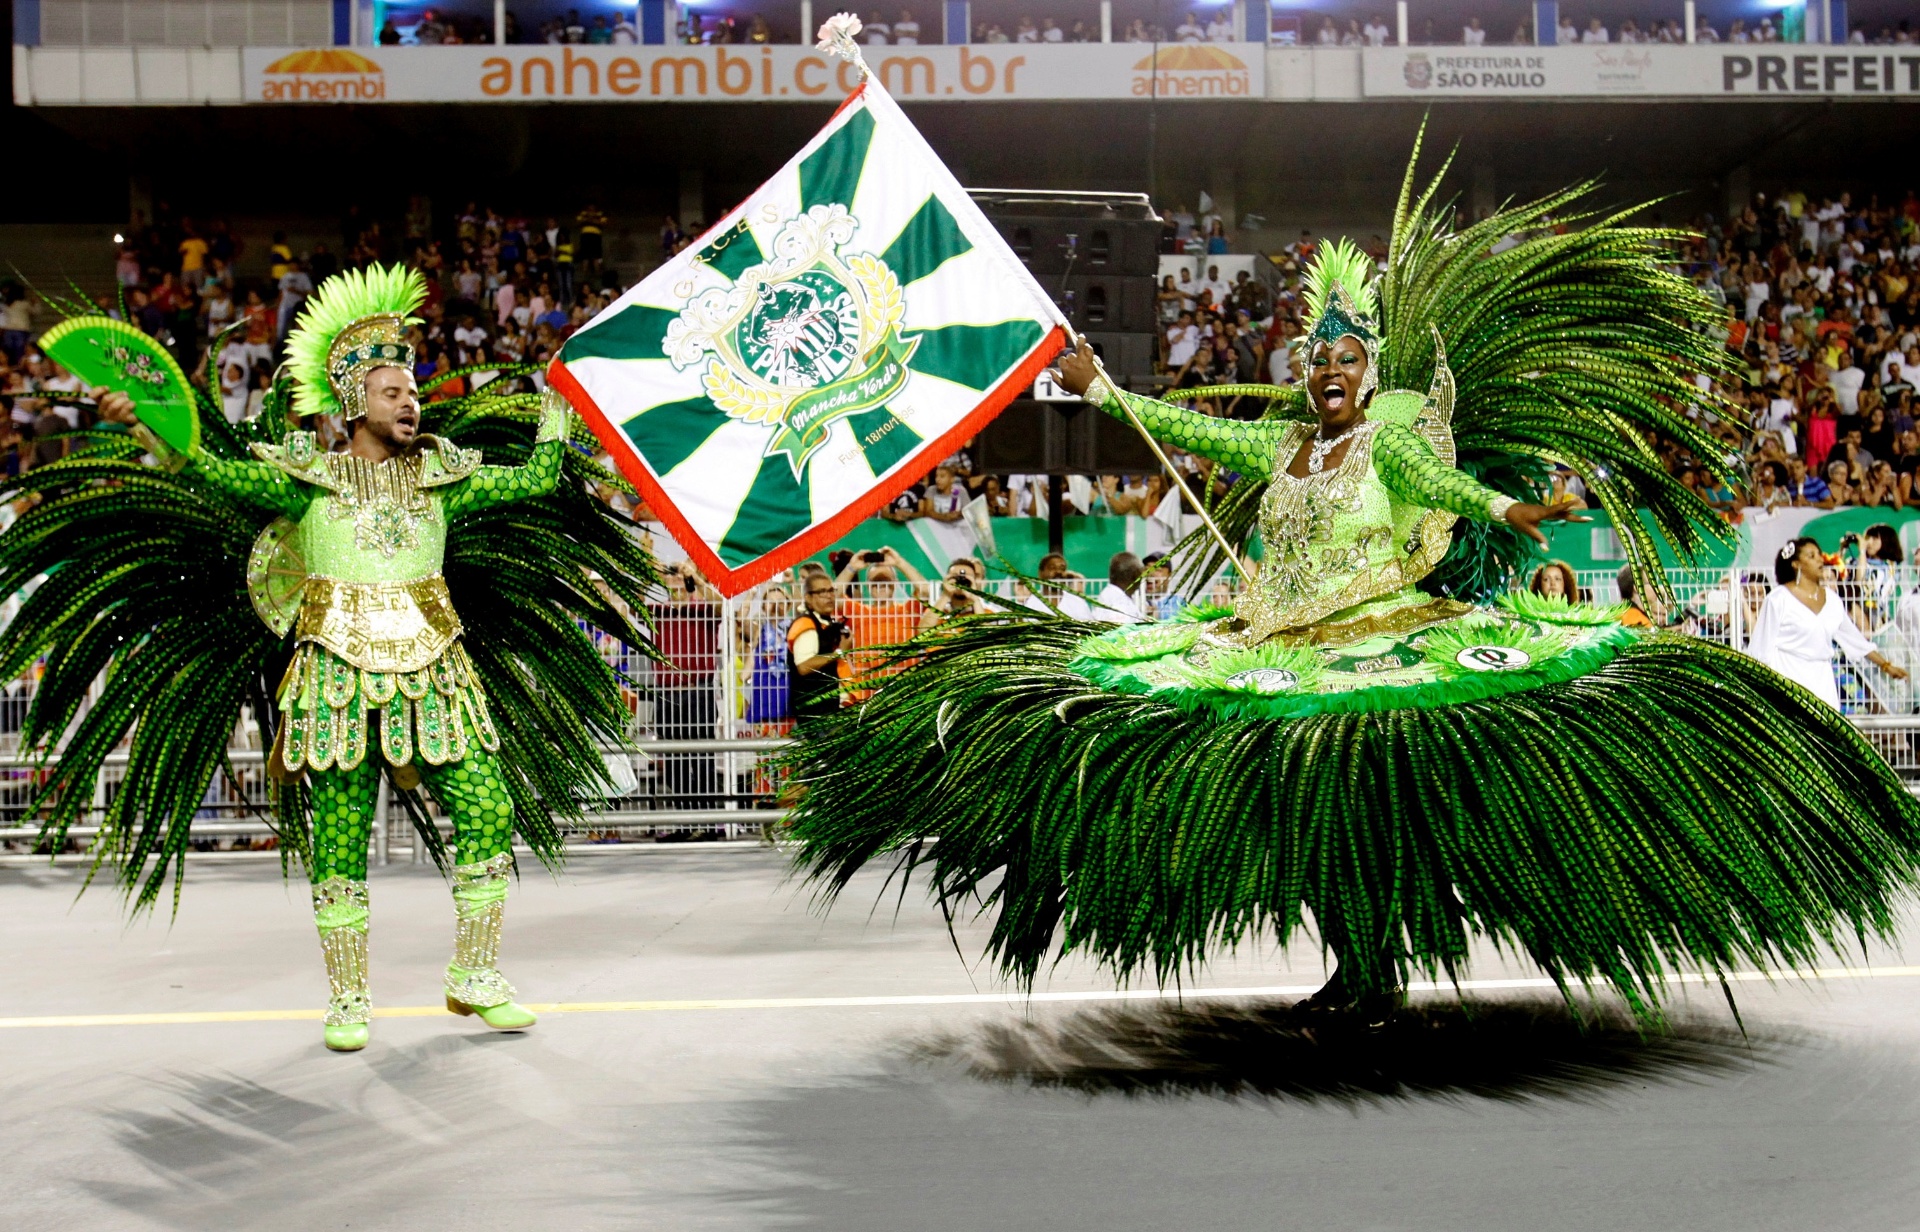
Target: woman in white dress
column 1803, row 620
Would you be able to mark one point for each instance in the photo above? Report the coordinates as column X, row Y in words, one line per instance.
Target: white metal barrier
column 703, row 724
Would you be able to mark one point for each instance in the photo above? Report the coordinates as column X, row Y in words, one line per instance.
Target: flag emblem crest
column 803, row 340
column 831, row 340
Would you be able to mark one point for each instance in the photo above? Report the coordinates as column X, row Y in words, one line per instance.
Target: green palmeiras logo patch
column 802, row 340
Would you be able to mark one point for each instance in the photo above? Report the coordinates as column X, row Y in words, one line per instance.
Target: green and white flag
column 827, row 344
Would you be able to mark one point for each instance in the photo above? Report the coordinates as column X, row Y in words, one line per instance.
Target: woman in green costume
column 354, row 578
column 1355, row 742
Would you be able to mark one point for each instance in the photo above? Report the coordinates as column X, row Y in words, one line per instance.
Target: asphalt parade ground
column 722, row 1056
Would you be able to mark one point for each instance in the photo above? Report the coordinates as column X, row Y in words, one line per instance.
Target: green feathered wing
column 1569, row 345
column 137, row 585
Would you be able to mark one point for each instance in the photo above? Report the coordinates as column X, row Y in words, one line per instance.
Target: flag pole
column 1233, row 557
column 837, row 38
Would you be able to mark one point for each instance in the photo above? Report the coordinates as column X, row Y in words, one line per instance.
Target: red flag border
column 731, row 582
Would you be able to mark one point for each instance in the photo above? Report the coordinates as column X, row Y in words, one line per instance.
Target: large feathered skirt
column 1611, row 803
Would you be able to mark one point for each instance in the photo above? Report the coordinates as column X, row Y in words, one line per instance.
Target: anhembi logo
column 1192, row 71
column 333, row 75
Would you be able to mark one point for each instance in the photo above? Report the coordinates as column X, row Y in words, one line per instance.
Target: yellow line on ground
column 984, row 998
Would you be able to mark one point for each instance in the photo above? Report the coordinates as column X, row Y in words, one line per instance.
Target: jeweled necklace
column 1317, row 459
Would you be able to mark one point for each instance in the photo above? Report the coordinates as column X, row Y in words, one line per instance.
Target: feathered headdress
column 355, row 322
column 1342, row 302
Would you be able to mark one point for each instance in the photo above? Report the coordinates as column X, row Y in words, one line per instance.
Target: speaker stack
column 1097, row 255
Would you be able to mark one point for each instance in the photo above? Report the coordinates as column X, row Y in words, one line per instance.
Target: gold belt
column 379, row 626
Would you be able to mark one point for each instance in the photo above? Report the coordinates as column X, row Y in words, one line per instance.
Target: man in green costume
column 378, row 658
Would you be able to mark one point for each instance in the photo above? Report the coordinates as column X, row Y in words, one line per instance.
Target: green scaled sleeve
column 1414, row 474
column 499, row 485
column 1245, row 447
column 260, row 485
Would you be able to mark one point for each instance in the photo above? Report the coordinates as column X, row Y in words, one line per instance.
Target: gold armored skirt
column 328, row 705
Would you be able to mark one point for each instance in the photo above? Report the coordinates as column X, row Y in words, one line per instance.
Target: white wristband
column 1100, row 392
column 1498, row 506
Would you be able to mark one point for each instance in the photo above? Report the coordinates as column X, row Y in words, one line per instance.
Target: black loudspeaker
column 1060, row 438
column 1127, row 356
column 1109, row 303
column 1082, row 233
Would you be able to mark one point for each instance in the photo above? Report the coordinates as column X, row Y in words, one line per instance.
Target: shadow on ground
column 1509, row 1051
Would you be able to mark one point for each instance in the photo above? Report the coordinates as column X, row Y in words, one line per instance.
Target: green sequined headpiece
column 1342, row 302
column 355, row 322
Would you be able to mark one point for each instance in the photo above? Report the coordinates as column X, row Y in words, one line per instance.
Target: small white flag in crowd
column 828, row 343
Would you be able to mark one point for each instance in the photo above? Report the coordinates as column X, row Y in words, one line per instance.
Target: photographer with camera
column 964, row 575
column 816, row 643
column 882, row 610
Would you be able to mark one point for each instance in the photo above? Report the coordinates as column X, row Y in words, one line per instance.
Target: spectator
column 816, row 643
column 1116, row 603
column 875, row 32
column 1473, row 34
column 959, row 593
column 1803, row 621
column 906, row 31
column 1769, row 494
column 887, row 616
column 1053, row 593
column 1556, row 580
column 1807, row 489
column 1846, row 381
column 1190, row 30
column 907, row 506
column 16, row 321
column 1633, row 615
column 295, row 287
column 1375, row 32
column 1220, row 28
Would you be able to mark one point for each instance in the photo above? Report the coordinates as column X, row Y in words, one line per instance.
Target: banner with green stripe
column 821, row 348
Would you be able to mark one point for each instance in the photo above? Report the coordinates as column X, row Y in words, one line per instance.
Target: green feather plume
column 389, row 290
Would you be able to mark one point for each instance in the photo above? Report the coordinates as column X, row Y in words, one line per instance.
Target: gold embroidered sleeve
column 1245, row 447
column 1412, row 472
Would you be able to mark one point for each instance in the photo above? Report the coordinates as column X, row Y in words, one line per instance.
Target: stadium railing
column 701, row 730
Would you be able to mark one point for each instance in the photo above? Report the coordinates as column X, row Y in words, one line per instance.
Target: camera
column 873, row 558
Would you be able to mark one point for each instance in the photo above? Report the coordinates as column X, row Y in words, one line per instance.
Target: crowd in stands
column 501, row 289
column 1822, row 300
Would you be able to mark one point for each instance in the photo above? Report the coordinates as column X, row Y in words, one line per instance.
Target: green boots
column 340, row 911
column 474, row 984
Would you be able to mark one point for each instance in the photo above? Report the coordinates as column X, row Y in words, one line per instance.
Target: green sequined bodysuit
column 1344, row 547
column 375, row 630
column 1332, row 619
column 377, row 644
